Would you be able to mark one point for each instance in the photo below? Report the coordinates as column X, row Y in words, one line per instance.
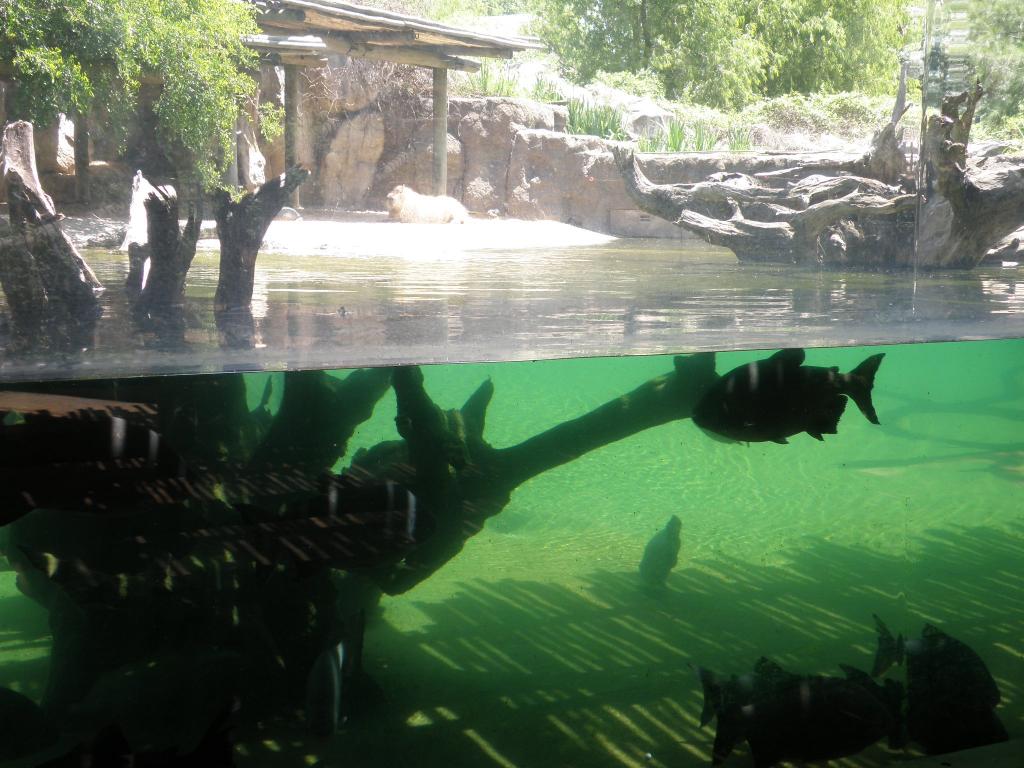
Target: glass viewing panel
column 684, row 429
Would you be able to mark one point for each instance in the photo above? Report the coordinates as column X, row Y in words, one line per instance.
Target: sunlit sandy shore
column 378, row 237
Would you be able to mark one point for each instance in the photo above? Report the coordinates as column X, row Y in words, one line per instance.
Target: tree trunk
column 241, row 226
column 47, row 282
column 83, row 182
column 171, row 251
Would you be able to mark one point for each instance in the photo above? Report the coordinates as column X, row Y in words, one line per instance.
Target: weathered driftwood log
column 49, row 286
column 463, row 480
column 975, row 204
column 841, row 219
column 241, row 226
column 884, row 161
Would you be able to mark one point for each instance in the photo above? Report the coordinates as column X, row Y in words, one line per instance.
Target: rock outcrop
column 348, row 168
column 412, row 164
column 568, row 178
column 487, row 128
column 55, row 146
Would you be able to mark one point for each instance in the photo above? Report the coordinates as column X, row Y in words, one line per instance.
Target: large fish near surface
column 778, row 397
column 789, row 717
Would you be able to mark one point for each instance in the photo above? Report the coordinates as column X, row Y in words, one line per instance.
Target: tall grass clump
column 544, row 91
column 595, row 120
column 738, row 138
column 491, row 80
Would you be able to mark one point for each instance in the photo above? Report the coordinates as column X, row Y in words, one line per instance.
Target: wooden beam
column 382, row 37
column 295, row 60
column 335, row 15
column 400, row 55
column 299, row 43
column 440, row 131
column 472, row 50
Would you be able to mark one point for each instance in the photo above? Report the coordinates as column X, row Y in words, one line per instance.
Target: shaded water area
column 371, row 293
column 538, row 643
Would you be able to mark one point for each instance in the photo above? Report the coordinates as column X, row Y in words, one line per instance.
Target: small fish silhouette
column 661, row 553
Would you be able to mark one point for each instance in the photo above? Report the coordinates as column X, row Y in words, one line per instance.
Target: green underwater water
column 537, row 645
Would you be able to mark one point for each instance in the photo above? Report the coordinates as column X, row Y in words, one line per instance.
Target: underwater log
column 318, row 415
column 463, row 480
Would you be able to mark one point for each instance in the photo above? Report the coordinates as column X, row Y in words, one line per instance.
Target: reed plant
column 598, row 120
column 738, row 138
column 492, row 80
column 544, row 91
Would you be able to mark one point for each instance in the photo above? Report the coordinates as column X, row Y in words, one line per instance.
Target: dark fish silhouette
column 324, row 685
column 111, row 748
column 26, row 729
column 951, row 696
column 775, row 398
column 890, row 693
column 352, row 523
column 890, row 649
column 661, row 553
column 788, row 717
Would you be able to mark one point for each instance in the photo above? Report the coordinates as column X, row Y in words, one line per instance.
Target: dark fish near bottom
column 111, row 748
column 778, row 397
column 25, row 728
column 951, row 695
column 890, row 650
column 788, row 717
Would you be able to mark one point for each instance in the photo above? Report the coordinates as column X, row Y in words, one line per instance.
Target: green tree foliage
column 726, row 53
column 76, row 56
column 828, row 45
column 997, row 35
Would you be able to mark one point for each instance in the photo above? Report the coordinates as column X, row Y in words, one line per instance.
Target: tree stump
column 171, row 252
column 241, row 226
column 49, row 287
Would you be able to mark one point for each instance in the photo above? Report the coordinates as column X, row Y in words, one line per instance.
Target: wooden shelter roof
column 303, row 31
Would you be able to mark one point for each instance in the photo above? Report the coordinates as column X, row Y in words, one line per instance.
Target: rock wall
column 347, row 171
column 691, row 167
column 563, row 177
column 487, row 129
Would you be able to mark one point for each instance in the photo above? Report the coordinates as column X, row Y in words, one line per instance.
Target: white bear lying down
column 409, row 206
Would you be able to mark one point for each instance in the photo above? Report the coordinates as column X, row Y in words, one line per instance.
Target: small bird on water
column 661, row 554
column 778, row 397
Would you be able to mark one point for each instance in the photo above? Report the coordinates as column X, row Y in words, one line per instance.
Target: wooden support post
column 291, row 123
column 83, row 186
column 440, row 131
